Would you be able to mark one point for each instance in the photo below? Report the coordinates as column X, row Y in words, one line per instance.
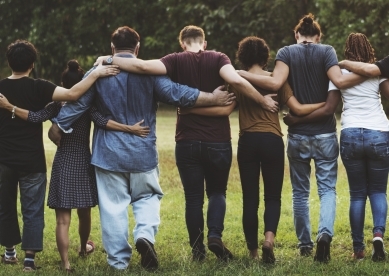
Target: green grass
column 172, row 240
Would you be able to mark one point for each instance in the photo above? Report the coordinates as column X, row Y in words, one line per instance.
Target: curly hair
column 358, row 48
column 308, row 26
column 21, row 55
column 252, row 50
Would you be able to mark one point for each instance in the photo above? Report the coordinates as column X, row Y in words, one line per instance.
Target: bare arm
column 229, row 74
column 302, row 109
column 343, row 81
column 272, row 83
column 215, row 111
column 135, row 129
column 384, row 87
column 19, row 112
column 361, row 68
column 135, row 65
column 328, row 109
column 218, row 97
column 72, row 94
column 101, row 121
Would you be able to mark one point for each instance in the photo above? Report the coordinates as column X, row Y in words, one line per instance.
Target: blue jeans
column 198, row 162
column 324, row 151
column 365, row 155
column 116, row 190
column 32, row 188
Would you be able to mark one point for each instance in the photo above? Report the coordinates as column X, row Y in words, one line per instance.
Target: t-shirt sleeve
column 223, row 60
column 45, row 91
column 170, row 62
column 283, row 55
column 383, row 65
column 284, row 93
column 330, row 58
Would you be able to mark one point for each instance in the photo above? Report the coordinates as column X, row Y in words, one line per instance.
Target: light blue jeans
column 365, row 155
column 324, row 151
column 116, row 191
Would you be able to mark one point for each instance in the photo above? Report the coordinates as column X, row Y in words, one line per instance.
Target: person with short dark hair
column 126, row 166
column 203, row 143
column 22, row 159
column 73, row 182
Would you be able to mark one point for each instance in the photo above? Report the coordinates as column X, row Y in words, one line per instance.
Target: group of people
column 123, row 167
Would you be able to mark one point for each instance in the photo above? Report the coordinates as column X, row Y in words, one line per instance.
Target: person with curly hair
column 308, row 66
column 364, row 141
column 260, row 148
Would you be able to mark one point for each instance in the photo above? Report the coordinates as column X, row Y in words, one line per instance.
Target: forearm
column 134, row 65
column 328, row 109
column 302, row 109
column 265, row 82
column 77, row 90
column 115, row 126
column 214, row 111
column 361, row 68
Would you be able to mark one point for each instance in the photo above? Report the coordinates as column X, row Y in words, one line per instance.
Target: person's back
column 126, row 98
column 200, row 70
column 308, row 65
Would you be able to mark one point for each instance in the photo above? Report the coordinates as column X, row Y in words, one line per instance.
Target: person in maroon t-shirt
column 203, row 143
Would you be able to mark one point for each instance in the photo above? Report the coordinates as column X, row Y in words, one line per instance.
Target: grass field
column 172, row 240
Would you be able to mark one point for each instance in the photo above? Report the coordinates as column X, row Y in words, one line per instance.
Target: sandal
column 88, row 252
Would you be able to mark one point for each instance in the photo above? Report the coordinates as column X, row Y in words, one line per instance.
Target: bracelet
column 13, row 112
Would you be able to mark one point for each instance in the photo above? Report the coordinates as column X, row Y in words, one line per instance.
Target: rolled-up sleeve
column 71, row 111
column 173, row 93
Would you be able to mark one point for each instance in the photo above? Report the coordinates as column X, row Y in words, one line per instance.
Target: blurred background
column 65, row 29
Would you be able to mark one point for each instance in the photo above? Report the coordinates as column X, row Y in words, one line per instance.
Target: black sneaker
column 305, row 251
column 218, row 248
column 149, row 259
column 378, row 248
column 323, row 248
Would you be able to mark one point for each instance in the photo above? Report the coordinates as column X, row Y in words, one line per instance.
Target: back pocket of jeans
column 220, row 158
column 381, row 149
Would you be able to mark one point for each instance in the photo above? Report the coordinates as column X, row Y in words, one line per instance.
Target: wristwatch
column 108, row 61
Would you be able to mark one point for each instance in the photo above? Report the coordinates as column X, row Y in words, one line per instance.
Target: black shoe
column 198, row 253
column 378, row 249
column 149, row 259
column 217, row 247
column 323, row 248
column 306, row 251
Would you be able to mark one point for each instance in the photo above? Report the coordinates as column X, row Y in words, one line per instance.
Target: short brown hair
column 190, row 34
column 252, row 50
column 125, row 38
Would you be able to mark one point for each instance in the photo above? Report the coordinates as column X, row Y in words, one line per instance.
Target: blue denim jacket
column 127, row 98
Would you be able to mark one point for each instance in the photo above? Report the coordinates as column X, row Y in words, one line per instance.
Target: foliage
column 62, row 30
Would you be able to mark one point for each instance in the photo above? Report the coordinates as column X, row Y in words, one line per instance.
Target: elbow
column 72, row 97
column 299, row 112
column 141, row 68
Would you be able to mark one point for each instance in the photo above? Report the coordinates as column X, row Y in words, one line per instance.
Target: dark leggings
column 256, row 151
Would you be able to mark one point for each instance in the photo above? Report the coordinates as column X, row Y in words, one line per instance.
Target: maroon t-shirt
column 199, row 70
